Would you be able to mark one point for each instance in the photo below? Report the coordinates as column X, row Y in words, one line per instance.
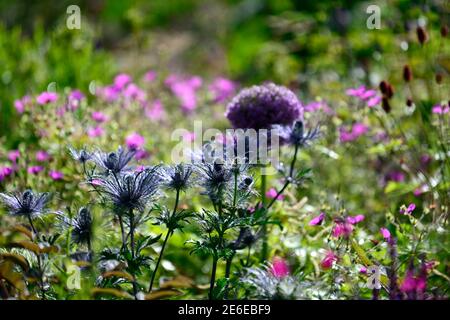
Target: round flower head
column 27, row 204
column 261, row 107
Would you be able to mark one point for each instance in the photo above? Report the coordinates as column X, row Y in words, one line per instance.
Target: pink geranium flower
column 42, row 156
column 342, row 229
column 385, row 233
column 34, row 169
column 150, row 76
column 272, row 193
column 329, row 259
column 356, row 219
column 95, row 132
column 280, row 268
column 46, row 97
column 13, row 155
column 407, row 210
column 56, row 175
column 21, row 104
column 440, row 109
column 121, row 80
column 99, row 116
column 135, row 141
column 317, row 220
column 222, row 89
column 155, row 111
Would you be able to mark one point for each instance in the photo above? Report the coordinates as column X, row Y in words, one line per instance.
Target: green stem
column 135, row 289
column 228, row 273
column 265, row 245
column 169, row 232
column 213, row 277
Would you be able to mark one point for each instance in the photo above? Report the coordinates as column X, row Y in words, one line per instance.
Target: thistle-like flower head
column 82, row 226
column 81, row 155
column 116, row 161
column 296, row 135
column 131, row 190
column 178, row 177
column 215, row 178
column 27, row 203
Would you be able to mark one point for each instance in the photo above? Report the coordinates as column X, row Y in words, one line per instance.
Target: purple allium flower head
column 56, row 175
column 261, row 107
column 46, row 97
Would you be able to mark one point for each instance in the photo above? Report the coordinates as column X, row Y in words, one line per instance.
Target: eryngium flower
column 80, row 155
column 266, row 285
column 115, row 162
column 177, row 177
column 132, row 190
column 28, row 203
column 82, row 227
column 215, row 178
column 260, row 107
column 296, row 134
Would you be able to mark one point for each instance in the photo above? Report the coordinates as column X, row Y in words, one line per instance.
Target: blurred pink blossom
column 46, row 97
column 385, row 233
column 155, row 111
column 99, row 116
column 34, row 169
column 13, row 155
column 135, row 141
column 42, row 156
column 150, row 76
column 272, row 193
column 95, row 132
column 329, row 259
column 317, row 220
column 56, row 175
column 121, row 80
column 222, row 89
column 280, row 268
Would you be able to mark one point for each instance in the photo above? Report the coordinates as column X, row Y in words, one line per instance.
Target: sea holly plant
column 32, row 206
column 178, row 179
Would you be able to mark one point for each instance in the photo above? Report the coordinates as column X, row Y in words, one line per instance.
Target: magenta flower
column 121, row 80
column 440, row 109
column 318, row 105
column 150, row 76
column 141, row 154
column 76, row 95
column 5, row 172
column 13, row 155
column 34, row 169
column 21, row 104
column 185, row 90
column 372, row 102
column 272, row 193
column 317, row 220
column 189, row 137
column 356, row 219
column 356, row 92
column 329, row 259
column 46, row 98
column 222, row 89
column 409, row 282
column 133, row 92
column 95, row 132
column 155, row 112
column 280, row 268
column 396, row 176
column 42, row 156
column 342, row 229
column 385, row 233
column 411, row 207
column 135, row 141
column 99, row 116
column 56, row 175
column 108, row 93
column 358, row 129
column 363, row 270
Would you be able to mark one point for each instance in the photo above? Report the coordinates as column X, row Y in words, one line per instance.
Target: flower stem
column 265, row 245
column 213, row 277
column 169, row 232
column 132, row 251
